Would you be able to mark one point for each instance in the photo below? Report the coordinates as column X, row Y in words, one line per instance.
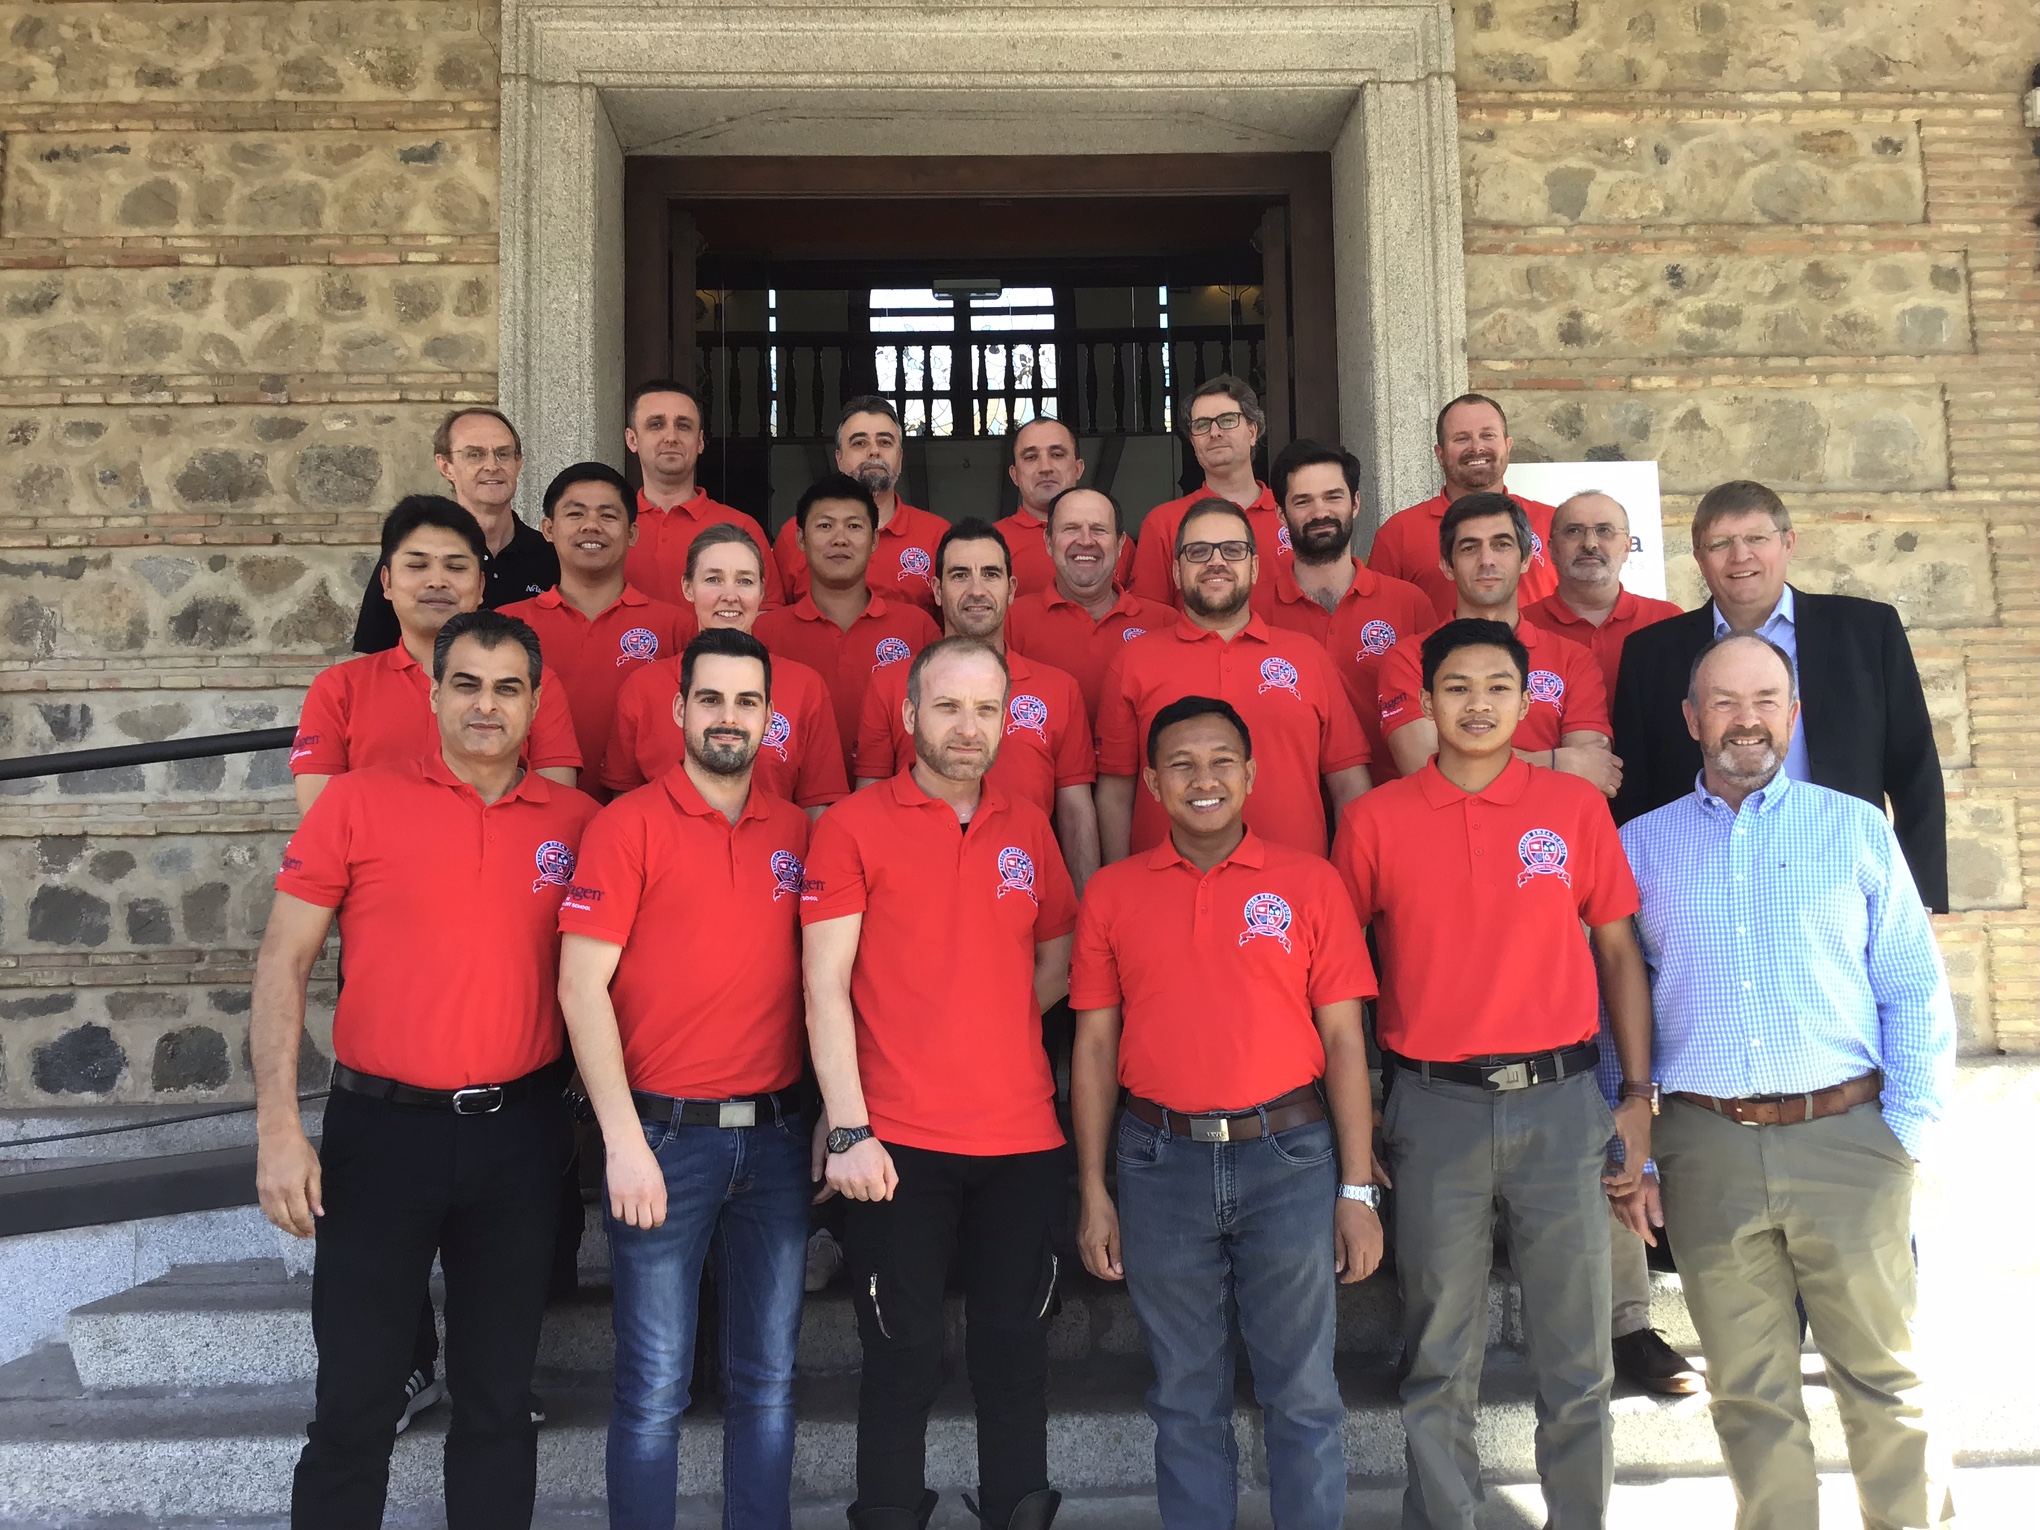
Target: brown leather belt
column 1787, row 1109
column 1299, row 1107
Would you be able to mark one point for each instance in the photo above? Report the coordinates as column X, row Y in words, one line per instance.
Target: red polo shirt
column 1375, row 614
column 707, row 991
column 1046, row 744
column 448, row 957
column 1047, row 627
column 1281, row 682
column 1033, row 569
column 1477, row 901
column 1566, row 694
column 800, row 757
column 1155, row 560
column 377, row 709
column 596, row 657
column 902, row 564
column 657, row 563
column 1406, row 547
column 1217, row 973
column 1605, row 641
column 888, row 632
column 948, row 1031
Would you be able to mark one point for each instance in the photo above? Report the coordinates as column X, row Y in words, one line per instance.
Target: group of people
column 877, row 797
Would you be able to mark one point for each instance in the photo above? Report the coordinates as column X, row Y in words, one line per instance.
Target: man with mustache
column 1589, row 544
column 869, row 449
column 1473, row 449
column 1805, row 1046
column 666, row 429
column 1046, row 465
column 1223, row 420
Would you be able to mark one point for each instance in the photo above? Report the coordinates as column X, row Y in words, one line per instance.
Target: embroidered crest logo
column 787, row 874
column 1284, row 542
column 892, row 651
column 1536, row 546
column 1543, row 854
column 555, row 865
column 638, row 643
column 1268, row 918
column 915, row 564
column 1131, row 633
column 1375, row 638
column 1278, row 675
column 1029, row 712
column 778, row 734
column 1546, row 686
column 1016, row 872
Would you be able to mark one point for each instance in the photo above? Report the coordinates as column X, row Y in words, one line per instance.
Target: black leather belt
column 739, row 1110
column 1503, row 1073
column 475, row 1100
column 1299, row 1107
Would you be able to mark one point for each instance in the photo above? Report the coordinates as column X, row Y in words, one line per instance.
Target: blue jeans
column 750, row 1186
column 1204, row 1225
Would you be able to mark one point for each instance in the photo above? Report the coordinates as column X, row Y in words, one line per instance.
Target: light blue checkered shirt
column 1788, row 951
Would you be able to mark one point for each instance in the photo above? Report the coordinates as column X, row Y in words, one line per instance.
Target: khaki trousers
column 1821, row 1209
column 1629, row 1279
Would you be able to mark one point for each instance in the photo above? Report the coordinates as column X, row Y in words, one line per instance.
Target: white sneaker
column 824, row 1259
column 421, row 1390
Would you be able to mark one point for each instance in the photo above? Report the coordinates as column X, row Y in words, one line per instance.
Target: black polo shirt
column 526, row 566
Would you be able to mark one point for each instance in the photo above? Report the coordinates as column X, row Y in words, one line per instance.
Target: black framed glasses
column 1204, row 552
column 1204, row 425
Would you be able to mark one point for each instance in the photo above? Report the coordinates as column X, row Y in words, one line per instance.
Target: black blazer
column 1861, row 708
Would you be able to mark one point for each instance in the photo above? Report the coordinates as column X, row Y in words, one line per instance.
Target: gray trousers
column 1823, row 1210
column 1460, row 1156
column 1629, row 1273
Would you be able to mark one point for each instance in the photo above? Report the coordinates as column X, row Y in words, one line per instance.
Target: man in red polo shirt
column 1282, row 683
column 1083, row 618
column 1224, row 420
column 666, row 432
column 446, row 1132
column 377, row 708
column 680, row 980
column 937, row 918
column 840, row 628
column 868, row 448
column 1046, row 755
column 596, row 628
column 1046, row 465
column 1474, row 870
column 1481, row 542
column 800, row 757
column 1472, row 448
column 1325, row 591
column 1219, row 978
column 1589, row 544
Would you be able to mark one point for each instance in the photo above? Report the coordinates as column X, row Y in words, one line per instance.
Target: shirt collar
column 906, row 791
column 687, row 797
column 1761, row 801
column 398, row 658
column 692, row 505
column 1505, row 790
column 806, row 609
column 1124, row 602
column 1249, row 852
column 1784, row 614
column 1365, row 583
column 532, row 787
column 1189, row 632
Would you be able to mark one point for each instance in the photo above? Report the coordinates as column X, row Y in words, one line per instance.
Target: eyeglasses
column 1754, row 542
column 475, row 456
column 1204, row 552
column 1203, row 425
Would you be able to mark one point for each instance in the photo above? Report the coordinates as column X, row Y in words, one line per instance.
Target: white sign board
column 1634, row 486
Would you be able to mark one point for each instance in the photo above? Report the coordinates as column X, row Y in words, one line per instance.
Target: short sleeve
column 1339, row 968
column 1076, row 755
column 1341, row 743
column 620, row 770
column 609, row 876
column 1613, row 894
column 1401, row 681
column 317, row 861
column 1118, row 722
column 320, row 747
column 878, row 729
column 835, row 885
column 551, row 745
column 1094, row 965
column 1057, row 915
column 1354, row 856
column 1386, row 555
column 1151, row 564
column 819, row 779
column 1586, row 694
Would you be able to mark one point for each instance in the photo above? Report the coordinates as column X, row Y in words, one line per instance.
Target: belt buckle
column 737, row 1113
column 1210, row 1129
column 478, row 1100
column 1515, row 1075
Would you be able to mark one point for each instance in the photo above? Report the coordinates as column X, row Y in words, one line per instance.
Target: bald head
column 1589, row 545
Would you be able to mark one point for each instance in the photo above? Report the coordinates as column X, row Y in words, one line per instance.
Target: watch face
column 844, row 1138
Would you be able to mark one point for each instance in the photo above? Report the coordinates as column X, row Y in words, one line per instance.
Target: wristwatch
column 1649, row 1091
column 843, row 1138
column 1367, row 1195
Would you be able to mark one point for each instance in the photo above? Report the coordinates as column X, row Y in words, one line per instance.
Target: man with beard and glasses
column 869, row 449
column 1805, row 1046
column 1283, row 683
column 1473, row 453
column 1356, row 613
column 1046, row 465
column 937, row 919
column 1046, row 756
column 1223, row 420
column 1589, row 544
column 680, row 982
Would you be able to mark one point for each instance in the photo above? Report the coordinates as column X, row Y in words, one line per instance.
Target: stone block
column 124, row 460
column 106, row 719
column 1983, row 853
column 336, row 50
column 1966, row 955
column 431, row 181
column 178, row 891
column 1657, row 171
column 170, row 321
column 1563, row 305
column 1967, row 45
column 1937, row 574
column 1877, row 439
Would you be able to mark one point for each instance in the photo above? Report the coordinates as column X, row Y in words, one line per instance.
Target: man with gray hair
column 1804, row 1051
column 1590, row 541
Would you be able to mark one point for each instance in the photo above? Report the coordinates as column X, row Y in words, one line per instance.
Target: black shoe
column 1645, row 1359
column 894, row 1519
column 1034, row 1512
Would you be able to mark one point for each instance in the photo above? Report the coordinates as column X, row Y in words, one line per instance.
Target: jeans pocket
column 657, row 1133
column 1305, row 1146
column 1140, row 1145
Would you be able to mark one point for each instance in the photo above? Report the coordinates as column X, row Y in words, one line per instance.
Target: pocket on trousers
column 1047, row 1295
column 1306, row 1146
column 1139, row 1145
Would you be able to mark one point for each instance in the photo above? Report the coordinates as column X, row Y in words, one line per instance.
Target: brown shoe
column 1645, row 1359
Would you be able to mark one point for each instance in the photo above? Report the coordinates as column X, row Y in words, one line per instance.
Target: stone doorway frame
column 587, row 82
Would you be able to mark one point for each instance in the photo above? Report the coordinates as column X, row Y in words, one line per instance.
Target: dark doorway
column 977, row 295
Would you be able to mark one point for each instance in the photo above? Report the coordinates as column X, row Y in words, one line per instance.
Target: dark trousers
column 1000, row 1214
column 401, row 1183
